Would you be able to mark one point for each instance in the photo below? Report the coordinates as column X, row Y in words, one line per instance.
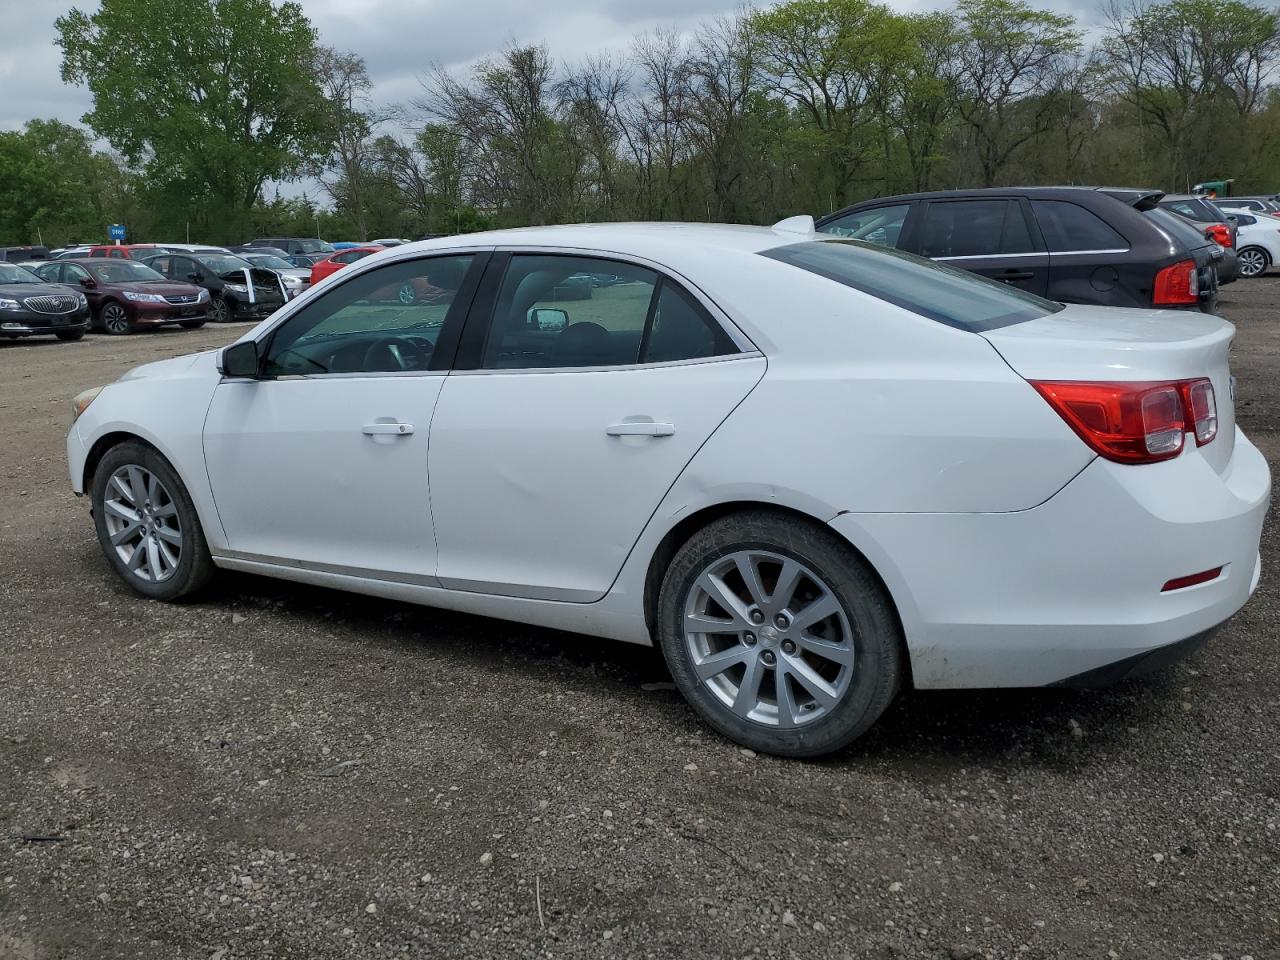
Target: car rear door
column 991, row 236
column 1088, row 258
column 572, row 410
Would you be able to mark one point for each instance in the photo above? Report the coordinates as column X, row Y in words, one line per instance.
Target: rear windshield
column 955, row 297
column 1177, row 227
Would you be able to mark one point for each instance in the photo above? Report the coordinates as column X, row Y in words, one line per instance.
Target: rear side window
column 1070, row 228
column 882, row 225
column 974, row 228
column 1244, row 220
column 957, row 298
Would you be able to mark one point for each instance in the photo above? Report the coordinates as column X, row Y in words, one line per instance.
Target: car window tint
column 939, row 292
column 882, row 225
column 569, row 312
column 973, row 228
column 1069, row 227
column 162, row 265
column 682, row 329
column 1244, row 220
column 383, row 321
column 74, row 273
column 49, row 272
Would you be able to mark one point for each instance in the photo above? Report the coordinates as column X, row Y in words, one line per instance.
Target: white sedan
column 1257, row 241
column 811, row 470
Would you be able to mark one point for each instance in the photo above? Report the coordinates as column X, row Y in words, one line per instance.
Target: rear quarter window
column 941, row 293
column 1070, row 228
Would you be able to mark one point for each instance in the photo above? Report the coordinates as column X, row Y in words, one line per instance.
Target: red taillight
column 1219, row 233
column 1191, row 580
column 1141, row 422
column 1177, row 284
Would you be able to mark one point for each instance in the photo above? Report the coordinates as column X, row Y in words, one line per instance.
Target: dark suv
column 1106, row 246
column 293, row 245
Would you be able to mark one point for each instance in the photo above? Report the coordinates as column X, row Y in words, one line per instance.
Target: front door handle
column 1010, row 275
column 640, row 428
column 384, row 429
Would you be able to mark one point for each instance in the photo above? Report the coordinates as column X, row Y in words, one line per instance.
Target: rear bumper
column 1073, row 586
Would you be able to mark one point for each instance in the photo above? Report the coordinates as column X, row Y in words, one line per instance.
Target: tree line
column 800, row 106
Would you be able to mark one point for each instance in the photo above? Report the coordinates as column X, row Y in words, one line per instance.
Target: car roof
column 655, row 241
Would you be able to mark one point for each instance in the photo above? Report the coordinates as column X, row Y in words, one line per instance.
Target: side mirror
column 239, row 360
column 544, row 318
column 88, row 282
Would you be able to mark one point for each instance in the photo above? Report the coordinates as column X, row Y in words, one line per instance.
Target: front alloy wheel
column 778, row 633
column 1253, row 262
column 143, row 524
column 115, row 320
column 147, row 524
column 221, row 310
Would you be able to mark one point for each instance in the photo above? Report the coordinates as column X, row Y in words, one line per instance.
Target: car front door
column 988, row 235
column 322, row 460
column 573, row 408
column 76, row 275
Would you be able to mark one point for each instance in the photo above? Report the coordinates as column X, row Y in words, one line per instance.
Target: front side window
column 49, row 272
column 955, row 297
column 1070, row 228
column 974, row 228
column 74, row 273
column 557, row 311
column 385, row 321
column 882, row 225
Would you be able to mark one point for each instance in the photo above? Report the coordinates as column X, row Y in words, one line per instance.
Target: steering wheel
column 395, row 353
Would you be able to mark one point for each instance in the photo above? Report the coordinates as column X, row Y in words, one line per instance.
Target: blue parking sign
column 116, row 232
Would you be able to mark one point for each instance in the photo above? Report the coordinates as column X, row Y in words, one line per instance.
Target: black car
column 292, row 245
column 21, row 254
column 237, row 289
column 29, row 307
column 1106, row 246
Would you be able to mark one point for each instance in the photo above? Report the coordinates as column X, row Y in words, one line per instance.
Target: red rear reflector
column 1141, row 422
column 1176, row 284
column 1219, row 233
column 1191, row 580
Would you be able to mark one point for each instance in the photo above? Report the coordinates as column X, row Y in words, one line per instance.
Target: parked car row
column 1094, row 245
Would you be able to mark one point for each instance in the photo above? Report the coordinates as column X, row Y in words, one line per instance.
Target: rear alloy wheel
column 221, row 310
column 115, row 320
column 408, row 294
column 1253, row 261
column 779, row 634
column 147, row 524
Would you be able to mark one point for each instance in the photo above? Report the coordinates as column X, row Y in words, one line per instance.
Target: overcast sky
column 399, row 39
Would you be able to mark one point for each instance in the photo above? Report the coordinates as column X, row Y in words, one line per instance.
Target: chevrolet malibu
column 810, row 470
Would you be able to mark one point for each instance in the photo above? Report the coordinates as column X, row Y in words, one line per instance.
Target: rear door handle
column 384, row 429
column 640, row 428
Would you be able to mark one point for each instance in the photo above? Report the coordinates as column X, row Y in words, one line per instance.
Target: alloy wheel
column 114, row 318
column 142, row 522
column 1252, row 262
column 221, row 312
column 769, row 638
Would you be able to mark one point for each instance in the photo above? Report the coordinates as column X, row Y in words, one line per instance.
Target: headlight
column 143, row 297
column 81, row 403
column 202, row 296
column 292, row 281
column 7, row 304
column 81, row 300
column 237, row 288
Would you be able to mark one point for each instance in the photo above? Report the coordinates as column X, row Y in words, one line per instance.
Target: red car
column 121, row 251
column 125, row 296
column 336, row 261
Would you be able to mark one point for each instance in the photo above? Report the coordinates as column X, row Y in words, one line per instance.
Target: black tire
column 114, row 319
column 219, row 310
column 70, row 335
column 191, row 324
column 195, row 566
column 876, row 632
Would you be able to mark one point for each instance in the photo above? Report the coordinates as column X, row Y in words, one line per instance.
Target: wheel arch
column 104, row 443
column 687, row 526
column 1266, row 254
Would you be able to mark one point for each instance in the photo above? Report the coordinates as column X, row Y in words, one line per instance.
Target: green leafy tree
column 213, row 98
column 52, row 185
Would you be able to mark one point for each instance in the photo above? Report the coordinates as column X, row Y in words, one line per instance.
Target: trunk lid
column 1124, row 345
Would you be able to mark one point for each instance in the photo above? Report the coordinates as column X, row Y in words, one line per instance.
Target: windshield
column 11, row 274
column 124, row 271
column 955, row 297
column 223, row 263
column 271, row 263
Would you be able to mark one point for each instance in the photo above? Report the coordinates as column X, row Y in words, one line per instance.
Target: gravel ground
column 281, row 771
